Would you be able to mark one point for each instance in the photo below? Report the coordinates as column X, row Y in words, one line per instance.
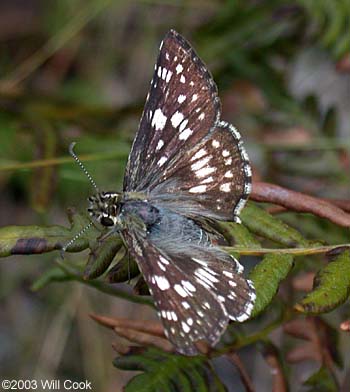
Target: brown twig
column 235, row 359
column 150, row 327
column 143, row 332
column 144, row 339
column 300, row 202
column 343, row 204
column 279, row 383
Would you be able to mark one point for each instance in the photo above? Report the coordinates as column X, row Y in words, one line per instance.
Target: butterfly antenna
column 78, row 235
column 82, row 167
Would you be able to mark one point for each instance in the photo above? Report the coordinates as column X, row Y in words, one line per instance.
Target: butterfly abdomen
column 175, row 233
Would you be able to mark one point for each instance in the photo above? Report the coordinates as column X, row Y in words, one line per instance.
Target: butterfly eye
column 105, row 221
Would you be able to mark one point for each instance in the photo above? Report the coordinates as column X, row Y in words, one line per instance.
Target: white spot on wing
column 201, row 116
column 163, row 260
column 181, row 98
column 185, row 327
column 161, row 161
column 188, row 285
column 194, row 97
column 225, row 187
column 161, row 266
column 205, row 171
column 215, row 143
column 228, row 274
column 199, row 154
column 160, row 144
column 202, row 272
column 199, row 164
column 185, row 134
column 228, row 174
column 207, row 180
column 199, row 261
column 179, row 68
column 176, row 119
column 168, row 77
column 182, row 79
column 225, row 153
column 162, row 282
column 179, row 289
column 198, row 189
column 183, row 125
column 159, row 120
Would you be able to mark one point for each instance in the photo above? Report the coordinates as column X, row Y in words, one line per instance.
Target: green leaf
column 20, row 240
column 102, row 256
column 265, row 225
column 266, row 276
column 169, row 372
column 331, row 287
column 237, row 234
column 321, row 381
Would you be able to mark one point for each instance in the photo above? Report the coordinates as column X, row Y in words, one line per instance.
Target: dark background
column 74, row 70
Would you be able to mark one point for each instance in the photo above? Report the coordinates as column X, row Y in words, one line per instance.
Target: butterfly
column 186, row 168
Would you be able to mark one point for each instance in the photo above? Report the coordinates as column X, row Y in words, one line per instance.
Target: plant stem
column 291, row 251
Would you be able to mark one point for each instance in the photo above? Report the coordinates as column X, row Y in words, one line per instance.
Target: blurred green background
column 75, row 70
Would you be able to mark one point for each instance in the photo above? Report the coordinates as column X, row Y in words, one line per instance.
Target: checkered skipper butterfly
column 186, row 168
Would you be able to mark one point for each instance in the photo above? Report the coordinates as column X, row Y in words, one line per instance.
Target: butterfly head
column 104, row 208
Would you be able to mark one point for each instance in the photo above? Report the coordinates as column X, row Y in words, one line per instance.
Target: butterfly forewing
column 181, row 108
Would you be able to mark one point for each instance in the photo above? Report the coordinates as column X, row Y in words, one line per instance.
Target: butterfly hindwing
column 196, row 287
column 189, row 311
column 212, row 179
column 181, row 108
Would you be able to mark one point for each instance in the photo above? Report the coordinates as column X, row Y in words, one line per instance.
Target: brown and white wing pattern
column 196, row 292
column 212, row 179
column 181, row 108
